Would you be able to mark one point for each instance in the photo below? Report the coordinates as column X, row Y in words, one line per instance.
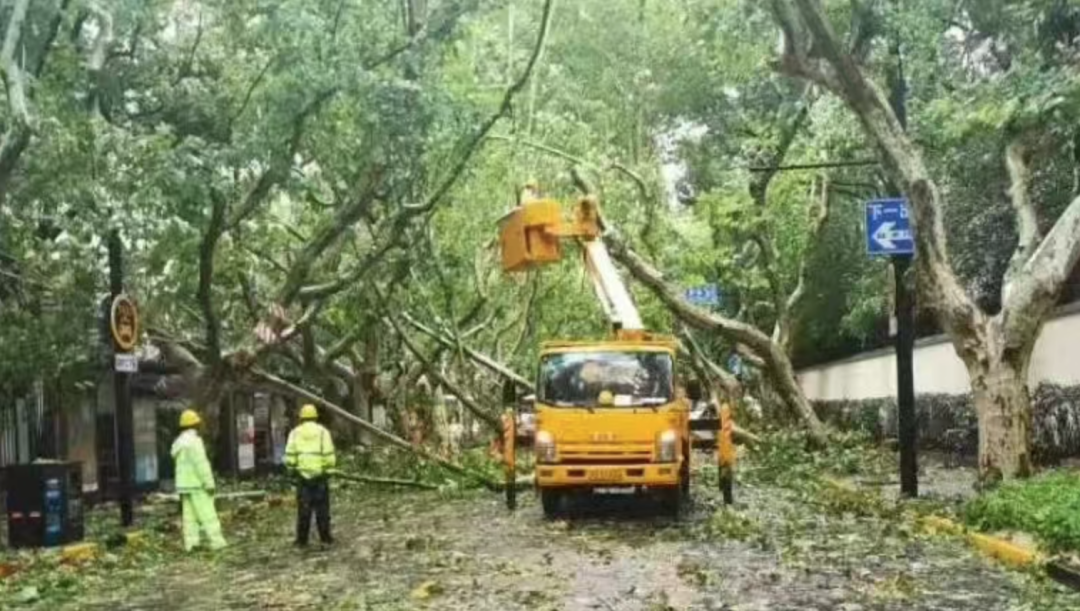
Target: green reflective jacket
column 310, row 450
column 193, row 470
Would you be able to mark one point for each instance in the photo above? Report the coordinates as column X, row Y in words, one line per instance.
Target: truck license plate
column 606, row 474
column 623, row 490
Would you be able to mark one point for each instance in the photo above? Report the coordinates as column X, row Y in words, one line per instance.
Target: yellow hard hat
column 308, row 412
column 189, row 419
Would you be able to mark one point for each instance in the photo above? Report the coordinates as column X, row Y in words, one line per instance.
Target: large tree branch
column 17, row 135
column 477, row 357
column 490, row 419
column 99, row 54
column 210, row 239
column 467, row 150
column 376, row 432
column 343, row 344
column 759, row 189
column 349, row 279
column 281, row 162
column 759, row 185
column 409, row 377
column 482, row 132
column 731, row 385
column 328, row 233
column 1037, row 284
column 786, row 319
column 777, row 363
column 1027, row 220
column 842, row 75
column 13, row 77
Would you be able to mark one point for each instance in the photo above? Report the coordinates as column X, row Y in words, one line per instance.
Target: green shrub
column 1047, row 506
column 787, row 457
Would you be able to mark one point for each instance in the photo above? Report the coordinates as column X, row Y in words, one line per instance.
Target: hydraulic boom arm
column 531, row 235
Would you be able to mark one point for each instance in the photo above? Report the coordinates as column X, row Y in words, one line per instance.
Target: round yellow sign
column 124, row 323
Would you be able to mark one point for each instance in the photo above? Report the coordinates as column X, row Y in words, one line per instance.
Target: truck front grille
column 600, row 457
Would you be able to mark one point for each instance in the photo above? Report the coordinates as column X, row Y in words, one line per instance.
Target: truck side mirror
column 509, row 392
column 693, row 390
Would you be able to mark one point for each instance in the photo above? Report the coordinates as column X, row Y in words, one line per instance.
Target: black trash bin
column 44, row 504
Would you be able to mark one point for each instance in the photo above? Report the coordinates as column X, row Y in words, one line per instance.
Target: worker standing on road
column 195, row 485
column 309, row 456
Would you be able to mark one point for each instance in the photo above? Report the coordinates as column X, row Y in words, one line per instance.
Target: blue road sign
column 704, row 295
column 888, row 227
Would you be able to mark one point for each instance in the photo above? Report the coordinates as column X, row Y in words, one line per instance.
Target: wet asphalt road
column 773, row 551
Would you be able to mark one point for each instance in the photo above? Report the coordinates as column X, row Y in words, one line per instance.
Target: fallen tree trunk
column 375, row 431
column 777, row 363
column 386, row 481
column 227, row 496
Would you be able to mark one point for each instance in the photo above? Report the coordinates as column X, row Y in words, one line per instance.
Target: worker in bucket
column 309, row 456
column 195, row 485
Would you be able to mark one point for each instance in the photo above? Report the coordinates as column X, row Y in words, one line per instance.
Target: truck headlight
column 665, row 446
column 544, row 447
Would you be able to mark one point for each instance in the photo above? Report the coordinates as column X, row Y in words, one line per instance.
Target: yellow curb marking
column 996, row 548
column 1004, row 551
column 79, row 552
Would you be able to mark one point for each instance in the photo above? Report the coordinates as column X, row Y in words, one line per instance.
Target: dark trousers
column 312, row 496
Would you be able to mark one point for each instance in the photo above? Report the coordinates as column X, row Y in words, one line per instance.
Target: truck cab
column 608, row 419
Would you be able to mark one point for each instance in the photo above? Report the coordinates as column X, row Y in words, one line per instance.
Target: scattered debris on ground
column 791, row 546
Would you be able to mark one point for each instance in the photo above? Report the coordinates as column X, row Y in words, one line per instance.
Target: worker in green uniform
column 309, row 456
column 195, row 485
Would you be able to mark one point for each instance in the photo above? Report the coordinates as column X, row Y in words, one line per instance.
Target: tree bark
column 1003, row 404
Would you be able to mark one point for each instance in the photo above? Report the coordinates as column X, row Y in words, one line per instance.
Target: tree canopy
column 349, row 161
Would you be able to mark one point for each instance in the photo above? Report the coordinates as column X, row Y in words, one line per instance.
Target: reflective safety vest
column 192, row 467
column 310, row 450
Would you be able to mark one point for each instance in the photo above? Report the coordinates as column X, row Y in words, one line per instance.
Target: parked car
column 703, row 410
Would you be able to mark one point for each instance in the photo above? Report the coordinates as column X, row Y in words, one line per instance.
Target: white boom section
column 609, row 287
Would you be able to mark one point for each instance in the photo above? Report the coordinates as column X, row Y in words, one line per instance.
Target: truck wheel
column 672, row 501
column 550, row 500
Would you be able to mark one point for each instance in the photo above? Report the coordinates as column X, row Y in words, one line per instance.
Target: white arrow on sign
column 885, row 235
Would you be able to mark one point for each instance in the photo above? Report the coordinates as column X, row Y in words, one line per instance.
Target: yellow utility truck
column 609, row 416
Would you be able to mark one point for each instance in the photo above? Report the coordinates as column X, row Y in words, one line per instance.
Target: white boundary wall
column 937, row 368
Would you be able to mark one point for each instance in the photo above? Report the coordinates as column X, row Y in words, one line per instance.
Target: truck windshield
column 633, row 378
